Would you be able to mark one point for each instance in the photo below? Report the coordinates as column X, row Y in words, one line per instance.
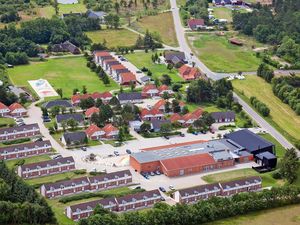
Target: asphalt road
column 183, row 46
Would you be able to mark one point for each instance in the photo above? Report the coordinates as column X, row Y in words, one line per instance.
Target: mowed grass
column 289, row 215
column 5, row 122
column 66, row 73
column 72, row 8
column 161, row 24
column 221, row 56
column 12, row 163
column 142, row 59
column 47, row 11
column 223, row 13
column 268, row 180
column 281, row 115
column 113, row 37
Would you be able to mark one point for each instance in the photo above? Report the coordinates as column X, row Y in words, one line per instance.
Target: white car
column 171, row 187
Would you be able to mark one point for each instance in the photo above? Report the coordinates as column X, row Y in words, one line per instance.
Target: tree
column 166, row 79
column 145, row 128
column 73, row 124
column 170, row 66
column 54, row 111
column 64, row 125
column 289, row 165
column 165, row 95
column 132, row 86
column 166, row 128
column 175, row 106
column 59, row 92
column 56, row 7
column 121, row 135
column 106, row 80
column 84, row 89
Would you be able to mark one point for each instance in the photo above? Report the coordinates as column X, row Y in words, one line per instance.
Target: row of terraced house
column 87, row 184
column 224, row 189
column 14, row 133
column 114, row 68
column 121, row 204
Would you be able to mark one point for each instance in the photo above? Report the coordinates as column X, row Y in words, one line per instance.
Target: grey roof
column 241, row 182
column 75, row 136
column 19, row 129
column 67, row 183
column 215, row 147
column 64, row 117
column 61, row 103
column 266, row 154
column 156, row 124
column 96, row 14
column 199, row 189
column 45, row 164
column 169, row 55
column 248, row 140
column 26, row 146
column 130, row 96
column 105, row 202
column 110, row 176
column 145, row 78
column 223, row 115
column 138, row 196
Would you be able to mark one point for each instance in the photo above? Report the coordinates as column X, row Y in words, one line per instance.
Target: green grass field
column 223, row 13
column 66, row 73
column 221, row 56
column 47, row 11
column 113, row 37
column 288, row 215
column 6, row 122
column 12, row 163
column 72, row 8
column 161, row 24
column 282, row 117
column 142, row 59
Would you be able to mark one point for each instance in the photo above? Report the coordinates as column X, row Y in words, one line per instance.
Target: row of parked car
column 148, row 174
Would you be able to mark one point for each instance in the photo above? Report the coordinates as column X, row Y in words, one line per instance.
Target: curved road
column 184, row 46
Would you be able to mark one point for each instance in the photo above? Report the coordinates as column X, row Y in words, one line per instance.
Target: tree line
column 287, row 89
column 20, row 203
column 260, row 106
column 196, row 9
column 201, row 212
column 265, row 72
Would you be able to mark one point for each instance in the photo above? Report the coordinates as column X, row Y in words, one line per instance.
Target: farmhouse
column 46, row 168
column 121, row 204
column 75, row 138
column 189, row 73
column 60, row 118
column 14, row 133
column 263, row 150
column 223, row 117
column 86, row 184
column 185, row 158
column 84, row 210
column 66, row 47
column 174, row 57
column 196, row 24
column 203, row 192
column 25, row 150
column 105, row 97
column 133, row 97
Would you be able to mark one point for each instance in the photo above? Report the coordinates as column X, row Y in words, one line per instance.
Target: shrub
column 19, row 141
column 83, row 171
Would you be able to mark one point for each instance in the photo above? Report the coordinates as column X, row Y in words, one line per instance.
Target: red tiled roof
column 195, row 22
column 14, row 106
column 94, row 95
column 102, row 53
column 109, row 60
column 2, row 106
column 160, row 103
column 90, row 111
column 188, row 73
column 92, row 129
column 127, row 77
column 163, row 88
column 173, row 145
column 148, row 87
column 109, row 128
column 175, row 117
column 188, row 161
column 118, row 67
column 152, row 112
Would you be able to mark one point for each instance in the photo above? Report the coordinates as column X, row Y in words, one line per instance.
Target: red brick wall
column 144, row 167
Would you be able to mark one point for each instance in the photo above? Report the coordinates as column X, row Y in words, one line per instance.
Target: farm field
column 66, row 73
column 161, row 24
column 142, row 59
column 221, row 56
column 288, row 215
column 113, row 37
column 282, row 117
column 74, row 8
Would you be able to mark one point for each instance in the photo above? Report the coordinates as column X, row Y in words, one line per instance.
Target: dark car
column 138, row 187
column 157, row 172
column 182, row 135
column 116, row 153
column 128, row 151
column 166, row 137
column 83, row 149
column 152, row 174
column 162, row 189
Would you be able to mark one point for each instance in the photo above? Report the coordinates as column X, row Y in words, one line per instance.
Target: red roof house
column 94, row 132
column 105, row 97
column 153, row 113
column 111, row 132
column 90, row 111
column 127, row 78
column 4, row 110
column 17, row 109
column 164, row 88
column 188, row 118
column 149, row 90
column 189, row 73
column 196, row 24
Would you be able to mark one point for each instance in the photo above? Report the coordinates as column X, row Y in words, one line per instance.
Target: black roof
column 75, row 136
column 130, row 96
column 61, row 103
column 223, row 115
column 174, row 55
column 156, row 124
column 64, row 117
column 266, row 154
column 249, row 140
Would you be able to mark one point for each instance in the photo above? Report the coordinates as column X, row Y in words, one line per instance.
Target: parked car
column 46, row 120
column 162, row 189
column 157, row 172
column 195, row 133
column 162, row 199
column 110, row 155
column 57, row 157
column 38, row 139
column 128, row 151
column 138, row 187
column 166, row 137
column 116, row 153
column 182, row 135
column 20, row 124
column 172, row 187
column 152, row 174
column 18, row 120
column 83, row 149
column 138, row 71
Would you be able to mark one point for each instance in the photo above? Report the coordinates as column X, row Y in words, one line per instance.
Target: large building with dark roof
column 14, row 133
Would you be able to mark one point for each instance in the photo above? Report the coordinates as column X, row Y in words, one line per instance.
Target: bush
column 276, row 175
column 83, row 171
column 19, row 141
column 92, row 173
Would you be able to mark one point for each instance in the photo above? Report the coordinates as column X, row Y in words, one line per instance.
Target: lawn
column 113, row 37
column 282, row 117
column 142, row 59
column 288, row 215
column 6, row 122
column 280, row 150
column 161, row 24
column 268, row 180
column 47, row 11
column 223, row 13
column 12, row 163
column 72, row 8
column 221, row 56
column 66, row 73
